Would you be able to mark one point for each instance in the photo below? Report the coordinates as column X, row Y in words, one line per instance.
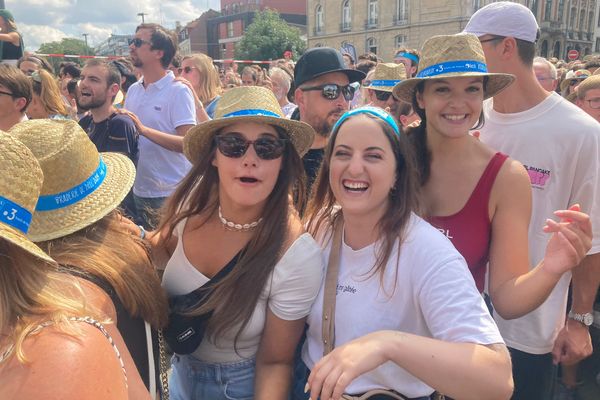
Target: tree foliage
column 66, row 46
column 268, row 37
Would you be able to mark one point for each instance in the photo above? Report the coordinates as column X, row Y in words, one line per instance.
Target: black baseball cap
column 320, row 61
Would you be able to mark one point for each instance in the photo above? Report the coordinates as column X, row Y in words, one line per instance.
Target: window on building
column 371, row 45
column 561, row 10
column 476, row 5
column 581, row 18
column 319, row 22
column 402, row 10
column 591, row 23
column 373, row 12
column 534, row 6
column 230, row 29
column 548, row 11
column 400, row 41
column 572, row 21
column 597, row 48
column 346, row 15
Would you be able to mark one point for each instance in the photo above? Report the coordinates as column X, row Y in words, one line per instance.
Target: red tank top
column 470, row 228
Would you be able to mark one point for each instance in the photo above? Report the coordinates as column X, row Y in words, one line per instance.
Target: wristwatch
column 586, row 319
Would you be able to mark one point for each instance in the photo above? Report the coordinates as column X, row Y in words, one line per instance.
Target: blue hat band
column 453, row 67
column 410, row 56
column 252, row 112
column 61, row 200
column 14, row 215
column 384, row 82
column 375, row 111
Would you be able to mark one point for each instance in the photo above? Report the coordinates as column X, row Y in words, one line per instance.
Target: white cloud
column 42, row 21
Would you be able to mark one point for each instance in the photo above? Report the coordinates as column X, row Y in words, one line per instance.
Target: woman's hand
column 334, row 372
column 187, row 83
column 571, row 240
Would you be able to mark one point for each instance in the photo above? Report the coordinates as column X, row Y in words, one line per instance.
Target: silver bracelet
column 142, row 232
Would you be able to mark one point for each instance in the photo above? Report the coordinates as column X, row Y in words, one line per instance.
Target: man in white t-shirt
column 163, row 111
column 559, row 145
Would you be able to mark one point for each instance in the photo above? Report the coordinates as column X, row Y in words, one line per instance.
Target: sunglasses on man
column 235, row 146
column 332, row 91
column 137, row 42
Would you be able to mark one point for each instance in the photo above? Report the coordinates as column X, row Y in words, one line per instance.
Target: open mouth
column 355, row 186
column 84, row 93
column 248, row 179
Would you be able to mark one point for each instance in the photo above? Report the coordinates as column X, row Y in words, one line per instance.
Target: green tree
column 66, row 46
column 267, row 37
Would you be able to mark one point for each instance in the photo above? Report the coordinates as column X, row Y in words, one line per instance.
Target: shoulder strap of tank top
column 482, row 190
column 330, row 292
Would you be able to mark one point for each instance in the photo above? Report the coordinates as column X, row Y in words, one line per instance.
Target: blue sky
column 42, row 21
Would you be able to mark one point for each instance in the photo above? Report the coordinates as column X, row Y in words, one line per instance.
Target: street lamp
column 142, row 15
column 85, row 35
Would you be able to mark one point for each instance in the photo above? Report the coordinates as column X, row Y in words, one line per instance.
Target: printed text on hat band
column 453, row 66
column 14, row 215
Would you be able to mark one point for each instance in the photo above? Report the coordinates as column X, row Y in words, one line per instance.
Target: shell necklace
column 232, row 226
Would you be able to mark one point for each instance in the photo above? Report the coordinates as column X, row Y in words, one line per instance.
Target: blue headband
column 256, row 112
column 61, row 200
column 410, row 56
column 14, row 215
column 375, row 111
column 452, row 67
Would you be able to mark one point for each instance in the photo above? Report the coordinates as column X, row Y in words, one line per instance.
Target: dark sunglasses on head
column 381, row 95
column 137, row 42
column 332, row 91
column 234, row 146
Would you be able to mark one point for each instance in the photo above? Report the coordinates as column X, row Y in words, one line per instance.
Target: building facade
column 193, row 37
column 381, row 26
column 115, row 45
column 228, row 28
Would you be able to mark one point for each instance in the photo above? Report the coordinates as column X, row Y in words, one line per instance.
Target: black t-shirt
column 312, row 159
column 11, row 52
column 116, row 134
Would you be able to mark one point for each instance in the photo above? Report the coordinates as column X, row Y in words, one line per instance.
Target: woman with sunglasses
column 481, row 199
column 198, row 69
column 398, row 312
column 232, row 219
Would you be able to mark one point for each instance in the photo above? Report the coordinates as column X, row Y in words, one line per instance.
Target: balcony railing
column 401, row 19
column 318, row 30
column 371, row 23
column 345, row 27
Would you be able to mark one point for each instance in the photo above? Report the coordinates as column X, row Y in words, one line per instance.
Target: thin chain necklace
column 232, row 226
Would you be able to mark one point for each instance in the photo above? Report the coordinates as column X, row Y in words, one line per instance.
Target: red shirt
column 470, row 229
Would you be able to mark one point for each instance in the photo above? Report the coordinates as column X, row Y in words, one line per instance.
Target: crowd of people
column 423, row 228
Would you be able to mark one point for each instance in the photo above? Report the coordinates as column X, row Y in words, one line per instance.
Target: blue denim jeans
column 192, row 379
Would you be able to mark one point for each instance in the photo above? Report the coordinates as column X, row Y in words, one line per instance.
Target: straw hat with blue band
column 450, row 56
column 246, row 104
column 81, row 185
column 386, row 76
column 374, row 111
column 20, row 186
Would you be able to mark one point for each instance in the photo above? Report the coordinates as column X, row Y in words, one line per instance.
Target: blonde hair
column 210, row 84
column 32, row 292
column 46, row 88
column 108, row 251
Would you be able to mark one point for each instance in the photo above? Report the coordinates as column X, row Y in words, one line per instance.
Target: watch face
column 588, row 319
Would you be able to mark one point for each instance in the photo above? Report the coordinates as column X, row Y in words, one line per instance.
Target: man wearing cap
column 409, row 58
column 559, row 145
column 385, row 77
column 163, row 111
column 15, row 96
column 323, row 93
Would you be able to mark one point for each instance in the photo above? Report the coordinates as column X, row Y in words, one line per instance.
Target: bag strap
column 330, row 292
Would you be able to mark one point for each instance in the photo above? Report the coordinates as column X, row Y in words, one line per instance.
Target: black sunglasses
column 234, row 146
column 332, row 91
column 137, row 42
column 381, row 95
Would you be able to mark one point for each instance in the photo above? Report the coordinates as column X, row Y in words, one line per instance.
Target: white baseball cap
column 504, row 18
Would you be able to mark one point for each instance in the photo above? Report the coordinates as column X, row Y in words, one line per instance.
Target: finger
column 330, row 382
column 580, row 218
column 317, row 376
column 340, row 387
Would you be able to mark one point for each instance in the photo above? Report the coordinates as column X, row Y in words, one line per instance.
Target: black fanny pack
column 185, row 333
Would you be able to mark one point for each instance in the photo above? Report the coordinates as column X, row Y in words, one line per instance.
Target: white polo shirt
column 164, row 105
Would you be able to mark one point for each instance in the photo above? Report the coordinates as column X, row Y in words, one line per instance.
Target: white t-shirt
column 435, row 296
column 559, row 146
column 164, row 105
column 289, row 294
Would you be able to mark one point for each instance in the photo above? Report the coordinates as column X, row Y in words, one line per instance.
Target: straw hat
column 19, row 189
column 386, row 76
column 449, row 56
column 574, row 76
column 81, row 185
column 246, row 104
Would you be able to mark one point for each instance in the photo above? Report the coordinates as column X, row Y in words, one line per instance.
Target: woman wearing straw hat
column 51, row 345
column 480, row 199
column 231, row 226
column 398, row 315
column 76, row 222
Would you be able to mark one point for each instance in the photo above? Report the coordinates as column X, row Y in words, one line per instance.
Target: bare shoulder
column 512, row 181
column 86, row 366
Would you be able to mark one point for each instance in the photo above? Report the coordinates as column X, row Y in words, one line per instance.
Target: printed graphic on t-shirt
column 538, row 176
column 446, row 232
column 345, row 289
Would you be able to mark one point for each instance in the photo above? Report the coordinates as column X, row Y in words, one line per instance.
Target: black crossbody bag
column 185, row 333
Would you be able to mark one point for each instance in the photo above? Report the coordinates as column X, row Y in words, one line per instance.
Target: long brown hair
column 403, row 199
column 106, row 250
column 235, row 297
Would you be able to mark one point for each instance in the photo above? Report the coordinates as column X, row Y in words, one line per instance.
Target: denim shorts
column 192, row 379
